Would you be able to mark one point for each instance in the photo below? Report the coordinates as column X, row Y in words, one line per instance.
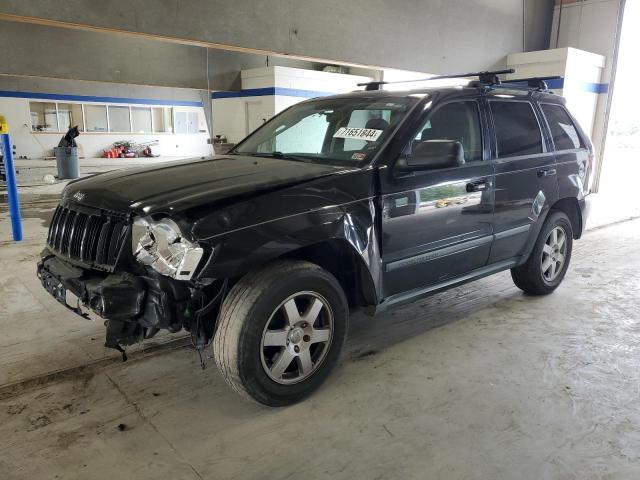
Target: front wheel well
column 569, row 206
column 340, row 259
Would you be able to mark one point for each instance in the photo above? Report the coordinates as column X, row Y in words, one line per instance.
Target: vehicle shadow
column 369, row 335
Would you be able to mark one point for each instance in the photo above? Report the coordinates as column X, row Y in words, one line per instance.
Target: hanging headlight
column 160, row 245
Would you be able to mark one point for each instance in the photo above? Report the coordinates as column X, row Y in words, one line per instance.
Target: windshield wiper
column 280, row 155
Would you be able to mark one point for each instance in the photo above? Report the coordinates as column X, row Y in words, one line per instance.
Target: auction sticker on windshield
column 369, row 134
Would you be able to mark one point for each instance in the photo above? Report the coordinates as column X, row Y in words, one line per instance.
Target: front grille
column 94, row 238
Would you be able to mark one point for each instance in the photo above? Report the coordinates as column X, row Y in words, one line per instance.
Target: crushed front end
column 134, row 272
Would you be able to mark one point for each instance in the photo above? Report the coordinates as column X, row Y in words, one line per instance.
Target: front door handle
column 546, row 172
column 478, row 186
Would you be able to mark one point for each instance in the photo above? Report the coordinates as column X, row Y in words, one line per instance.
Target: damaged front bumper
column 134, row 307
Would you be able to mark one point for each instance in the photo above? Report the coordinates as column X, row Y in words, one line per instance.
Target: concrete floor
column 478, row 382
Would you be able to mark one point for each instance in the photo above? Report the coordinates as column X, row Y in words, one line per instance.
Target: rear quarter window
column 516, row 128
column 563, row 130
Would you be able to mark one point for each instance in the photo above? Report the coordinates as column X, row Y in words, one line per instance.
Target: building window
column 181, row 122
column 141, row 119
column 44, row 117
column 193, row 122
column 91, row 118
column 70, row 115
column 162, row 119
column 119, row 119
column 96, row 118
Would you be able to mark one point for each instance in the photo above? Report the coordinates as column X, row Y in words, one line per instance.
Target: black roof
column 487, row 91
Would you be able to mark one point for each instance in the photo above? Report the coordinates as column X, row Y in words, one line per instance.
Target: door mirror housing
column 433, row 154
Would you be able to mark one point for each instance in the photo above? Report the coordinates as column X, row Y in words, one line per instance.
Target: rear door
column 572, row 153
column 526, row 175
column 436, row 224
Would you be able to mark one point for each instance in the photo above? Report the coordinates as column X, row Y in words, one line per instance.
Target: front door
column 437, row 223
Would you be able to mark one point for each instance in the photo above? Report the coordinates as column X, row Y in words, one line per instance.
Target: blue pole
column 12, row 186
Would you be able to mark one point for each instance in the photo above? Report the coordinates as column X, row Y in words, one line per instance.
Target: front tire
column 281, row 331
column 547, row 265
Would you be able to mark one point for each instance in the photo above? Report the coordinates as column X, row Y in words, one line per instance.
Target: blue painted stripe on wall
column 90, row 98
column 270, row 91
column 595, row 87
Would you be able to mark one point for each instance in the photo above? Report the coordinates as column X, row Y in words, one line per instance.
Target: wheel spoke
column 304, row 362
column 291, row 312
column 546, row 263
column 321, row 335
column 561, row 239
column 554, row 237
column 275, row 338
column 280, row 365
column 311, row 315
column 560, row 258
column 552, row 270
column 547, row 249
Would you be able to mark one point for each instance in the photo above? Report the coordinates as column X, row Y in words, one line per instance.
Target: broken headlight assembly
column 161, row 245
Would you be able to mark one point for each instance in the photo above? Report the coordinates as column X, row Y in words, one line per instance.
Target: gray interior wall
column 43, row 51
column 538, row 19
column 426, row 35
column 90, row 88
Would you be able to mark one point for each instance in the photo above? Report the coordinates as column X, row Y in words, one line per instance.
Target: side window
column 565, row 135
column 517, row 130
column 458, row 121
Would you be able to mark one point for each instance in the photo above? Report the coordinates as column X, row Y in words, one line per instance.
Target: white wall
column 238, row 116
column 16, row 92
column 40, row 144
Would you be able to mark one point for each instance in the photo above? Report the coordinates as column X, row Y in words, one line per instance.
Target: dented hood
column 176, row 186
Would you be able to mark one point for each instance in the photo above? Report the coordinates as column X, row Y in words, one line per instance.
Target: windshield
column 340, row 131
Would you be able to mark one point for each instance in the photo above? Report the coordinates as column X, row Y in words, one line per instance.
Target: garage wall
column 591, row 25
column 42, row 51
column 17, row 92
column 435, row 36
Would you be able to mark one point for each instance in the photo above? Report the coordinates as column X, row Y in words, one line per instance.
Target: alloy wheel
column 554, row 253
column 297, row 337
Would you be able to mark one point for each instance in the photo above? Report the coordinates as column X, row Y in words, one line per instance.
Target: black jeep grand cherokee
column 369, row 199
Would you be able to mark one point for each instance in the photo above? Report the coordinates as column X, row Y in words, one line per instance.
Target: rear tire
column 547, row 265
column 280, row 333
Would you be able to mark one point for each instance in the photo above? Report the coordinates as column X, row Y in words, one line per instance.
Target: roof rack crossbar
column 539, row 83
column 485, row 77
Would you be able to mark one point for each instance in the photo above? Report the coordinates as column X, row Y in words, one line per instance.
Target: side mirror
column 433, row 154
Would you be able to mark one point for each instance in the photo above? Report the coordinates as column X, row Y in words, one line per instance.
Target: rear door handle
column 546, row 172
column 478, row 186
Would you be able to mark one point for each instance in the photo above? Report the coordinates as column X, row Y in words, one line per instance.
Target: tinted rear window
column 517, row 130
column 565, row 134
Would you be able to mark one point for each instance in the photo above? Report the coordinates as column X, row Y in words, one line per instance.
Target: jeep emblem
column 79, row 196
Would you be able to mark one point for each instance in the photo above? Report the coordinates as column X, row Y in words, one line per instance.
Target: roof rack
column 535, row 83
column 490, row 78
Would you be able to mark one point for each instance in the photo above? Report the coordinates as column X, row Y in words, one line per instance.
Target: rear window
column 517, row 130
column 564, row 132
